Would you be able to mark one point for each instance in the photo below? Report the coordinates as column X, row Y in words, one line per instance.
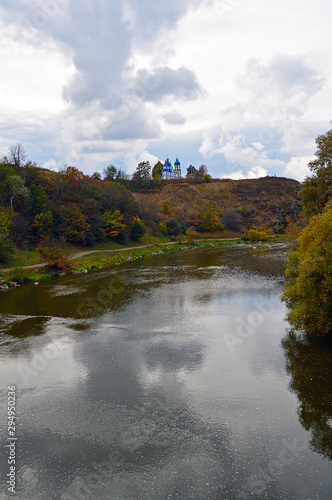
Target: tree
column 317, row 190
column 6, row 248
column 191, row 170
column 73, row 173
column 15, row 185
column 6, row 218
column 173, row 227
column 157, row 170
column 308, row 289
column 109, row 173
column 38, row 199
column 143, row 170
column 43, row 224
column 138, row 229
column 17, row 154
column 96, row 176
column 209, row 218
column 114, row 223
column 73, row 224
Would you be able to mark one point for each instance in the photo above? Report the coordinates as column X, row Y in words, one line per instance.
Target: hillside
column 254, row 203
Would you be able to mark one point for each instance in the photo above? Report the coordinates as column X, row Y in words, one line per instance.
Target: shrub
column 138, row 230
column 209, row 218
column 122, row 238
column 190, row 236
column 6, row 248
column 256, row 235
column 20, row 275
column 55, row 256
column 173, row 227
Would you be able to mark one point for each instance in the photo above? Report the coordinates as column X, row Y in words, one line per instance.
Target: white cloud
column 253, row 173
column 298, row 167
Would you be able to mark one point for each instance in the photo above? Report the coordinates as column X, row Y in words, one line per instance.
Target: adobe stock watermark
column 38, row 363
column 258, row 482
column 89, row 485
column 38, row 17
column 245, row 326
column 11, row 439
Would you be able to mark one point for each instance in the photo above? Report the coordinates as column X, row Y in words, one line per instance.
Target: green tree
column 138, row 229
column 143, row 170
column 6, row 217
column 38, row 199
column 308, row 289
column 110, row 173
column 317, row 190
column 43, row 224
column 191, row 170
column 6, row 248
column 173, row 227
column 15, row 186
column 114, row 223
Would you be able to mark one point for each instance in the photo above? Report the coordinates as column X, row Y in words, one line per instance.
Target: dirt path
column 88, row 252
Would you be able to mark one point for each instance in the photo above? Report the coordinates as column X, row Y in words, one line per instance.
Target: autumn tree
column 73, row 224
column 114, row 223
column 308, row 289
column 209, row 218
column 157, row 170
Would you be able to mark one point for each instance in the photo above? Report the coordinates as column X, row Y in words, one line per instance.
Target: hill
column 243, row 204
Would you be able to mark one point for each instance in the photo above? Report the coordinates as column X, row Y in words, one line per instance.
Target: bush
column 256, row 235
column 55, row 256
column 173, row 227
column 308, row 290
column 6, row 248
column 122, row 238
column 138, row 230
column 190, row 236
column 20, row 275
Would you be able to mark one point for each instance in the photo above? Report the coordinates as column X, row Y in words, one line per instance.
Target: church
column 170, row 172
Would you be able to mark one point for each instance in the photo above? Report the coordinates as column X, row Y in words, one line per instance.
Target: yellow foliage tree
column 114, row 223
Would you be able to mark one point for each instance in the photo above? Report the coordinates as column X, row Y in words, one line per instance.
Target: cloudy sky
column 243, row 86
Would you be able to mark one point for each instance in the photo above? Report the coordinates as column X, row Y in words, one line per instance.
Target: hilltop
column 249, row 203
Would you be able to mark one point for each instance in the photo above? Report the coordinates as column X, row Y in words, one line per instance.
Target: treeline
column 308, row 290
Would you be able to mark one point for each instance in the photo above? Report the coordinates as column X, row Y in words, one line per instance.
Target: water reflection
column 310, row 366
column 128, row 389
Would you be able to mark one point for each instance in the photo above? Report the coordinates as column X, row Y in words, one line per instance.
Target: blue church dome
column 177, row 162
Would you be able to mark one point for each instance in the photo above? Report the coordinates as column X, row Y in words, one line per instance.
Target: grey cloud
column 173, row 117
column 164, row 82
column 290, row 75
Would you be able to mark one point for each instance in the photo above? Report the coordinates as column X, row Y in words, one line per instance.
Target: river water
column 172, row 377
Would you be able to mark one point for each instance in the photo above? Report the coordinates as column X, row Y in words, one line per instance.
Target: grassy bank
column 103, row 256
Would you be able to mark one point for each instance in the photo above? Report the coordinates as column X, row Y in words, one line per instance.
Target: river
column 171, row 377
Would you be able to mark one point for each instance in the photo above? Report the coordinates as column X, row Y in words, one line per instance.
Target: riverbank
column 95, row 259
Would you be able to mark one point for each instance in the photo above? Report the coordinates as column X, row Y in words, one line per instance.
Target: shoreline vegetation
column 91, row 260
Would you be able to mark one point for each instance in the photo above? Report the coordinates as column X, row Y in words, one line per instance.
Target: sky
column 242, row 86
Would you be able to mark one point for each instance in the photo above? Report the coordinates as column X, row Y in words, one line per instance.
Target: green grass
column 22, row 258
